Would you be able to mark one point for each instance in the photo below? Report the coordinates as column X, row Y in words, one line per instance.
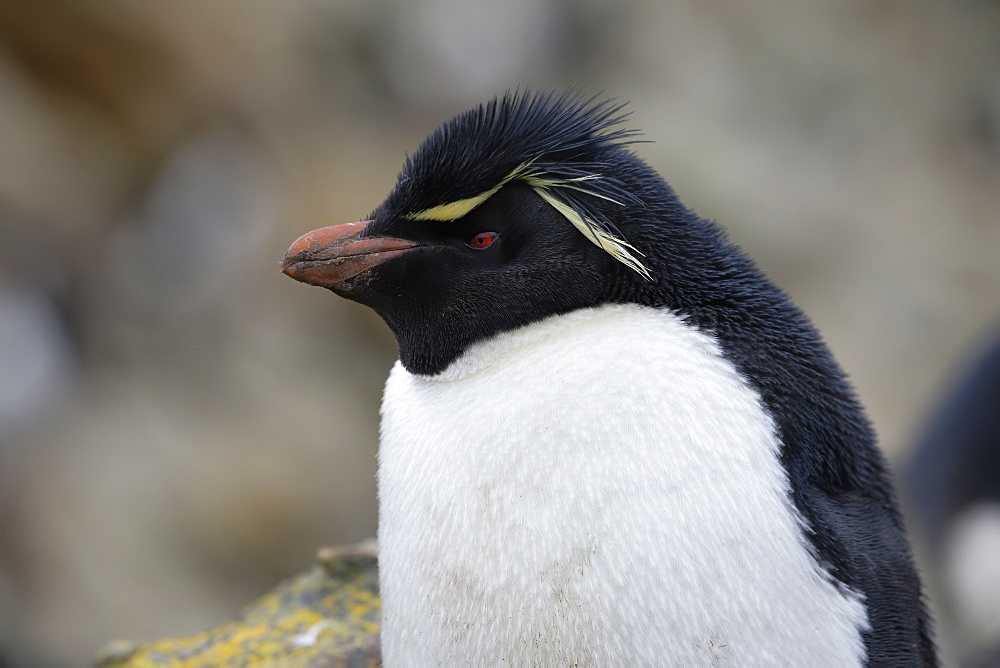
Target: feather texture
column 554, row 142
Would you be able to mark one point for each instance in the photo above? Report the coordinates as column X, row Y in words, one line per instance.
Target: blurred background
column 181, row 426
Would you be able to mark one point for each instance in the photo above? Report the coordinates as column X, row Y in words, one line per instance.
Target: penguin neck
column 506, row 347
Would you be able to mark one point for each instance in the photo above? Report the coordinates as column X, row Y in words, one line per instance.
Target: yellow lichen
column 328, row 615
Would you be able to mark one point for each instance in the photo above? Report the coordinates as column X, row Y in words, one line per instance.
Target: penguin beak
column 332, row 255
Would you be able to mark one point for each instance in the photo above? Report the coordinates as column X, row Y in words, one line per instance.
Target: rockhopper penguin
column 609, row 438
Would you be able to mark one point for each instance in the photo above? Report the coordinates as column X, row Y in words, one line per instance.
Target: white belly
column 597, row 489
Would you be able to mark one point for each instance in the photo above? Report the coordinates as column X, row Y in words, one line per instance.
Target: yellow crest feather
column 542, row 184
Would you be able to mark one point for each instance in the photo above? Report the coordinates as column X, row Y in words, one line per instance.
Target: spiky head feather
column 554, row 142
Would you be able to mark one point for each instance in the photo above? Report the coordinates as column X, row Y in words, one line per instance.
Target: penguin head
column 525, row 207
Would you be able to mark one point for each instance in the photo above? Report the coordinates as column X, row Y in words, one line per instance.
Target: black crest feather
column 555, row 141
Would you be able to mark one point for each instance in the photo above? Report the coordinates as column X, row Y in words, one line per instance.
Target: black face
column 506, row 184
column 511, row 261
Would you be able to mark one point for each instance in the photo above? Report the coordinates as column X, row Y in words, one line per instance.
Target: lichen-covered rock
column 326, row 616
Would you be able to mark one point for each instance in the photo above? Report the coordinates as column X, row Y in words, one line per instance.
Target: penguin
column 952, row 483
column 609, row 438
column 955, row 463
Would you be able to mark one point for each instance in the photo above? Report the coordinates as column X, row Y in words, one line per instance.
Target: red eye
column 483, row 240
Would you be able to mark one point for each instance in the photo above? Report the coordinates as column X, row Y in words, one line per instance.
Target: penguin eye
column 483, row 240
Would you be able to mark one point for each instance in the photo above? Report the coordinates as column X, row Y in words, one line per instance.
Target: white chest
column 595, row 489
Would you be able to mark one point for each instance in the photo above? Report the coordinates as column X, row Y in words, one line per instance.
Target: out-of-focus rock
column 210, row 206
column 327, row 616
column 91, row 100
column 462, row 49
column 36, row 359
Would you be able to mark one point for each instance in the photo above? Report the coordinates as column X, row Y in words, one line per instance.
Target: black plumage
column 560, row 134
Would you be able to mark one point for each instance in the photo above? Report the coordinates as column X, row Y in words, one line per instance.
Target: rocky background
column 181, row 426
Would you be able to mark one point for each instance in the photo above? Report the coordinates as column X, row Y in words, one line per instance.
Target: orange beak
column 331, row 255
